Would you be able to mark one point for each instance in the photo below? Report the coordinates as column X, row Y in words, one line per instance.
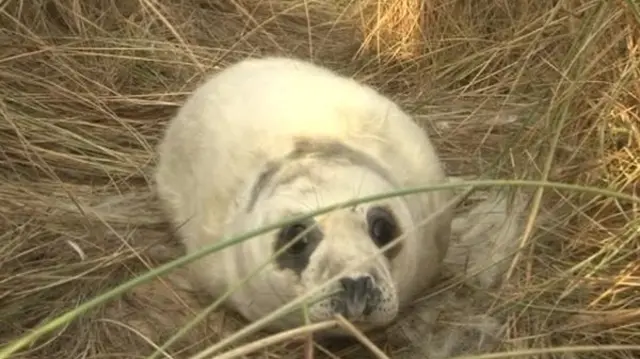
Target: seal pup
column 267, row 138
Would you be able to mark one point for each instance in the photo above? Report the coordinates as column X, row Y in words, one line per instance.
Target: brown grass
column 86, row 87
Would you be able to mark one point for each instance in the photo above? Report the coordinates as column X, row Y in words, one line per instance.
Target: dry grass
column 86, row 87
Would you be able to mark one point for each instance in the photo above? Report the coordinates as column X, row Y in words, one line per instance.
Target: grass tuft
column 526, row 90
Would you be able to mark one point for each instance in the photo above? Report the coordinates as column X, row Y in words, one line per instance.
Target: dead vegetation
column 86, row 86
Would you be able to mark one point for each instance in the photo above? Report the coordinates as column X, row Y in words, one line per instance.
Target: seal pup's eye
column 382, row 225
column 300, row 241
column 294, row 232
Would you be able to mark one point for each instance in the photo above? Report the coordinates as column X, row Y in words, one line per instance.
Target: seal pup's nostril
column 358, row 295
column 357, row 288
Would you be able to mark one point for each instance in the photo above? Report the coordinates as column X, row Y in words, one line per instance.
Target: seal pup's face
column 335, row 244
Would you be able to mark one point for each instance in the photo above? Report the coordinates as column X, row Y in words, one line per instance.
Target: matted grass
column 528, row 89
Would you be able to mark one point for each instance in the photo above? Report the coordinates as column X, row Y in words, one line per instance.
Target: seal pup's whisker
column 269, row 138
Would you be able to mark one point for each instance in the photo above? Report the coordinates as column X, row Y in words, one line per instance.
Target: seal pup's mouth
column 358, row 298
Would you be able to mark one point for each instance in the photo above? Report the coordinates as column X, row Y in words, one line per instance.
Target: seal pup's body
column 267, row 138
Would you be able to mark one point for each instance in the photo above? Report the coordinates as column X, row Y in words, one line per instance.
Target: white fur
column 456, row 322
column 486, row 238
column 249, row 115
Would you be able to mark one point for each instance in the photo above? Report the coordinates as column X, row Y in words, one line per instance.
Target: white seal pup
column 268, row 138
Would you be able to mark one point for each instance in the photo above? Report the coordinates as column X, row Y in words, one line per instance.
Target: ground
column 544, row 90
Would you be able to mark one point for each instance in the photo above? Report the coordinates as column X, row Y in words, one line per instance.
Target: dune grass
column 541, row 90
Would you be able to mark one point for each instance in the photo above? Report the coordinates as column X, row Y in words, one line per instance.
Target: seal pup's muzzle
column 360, row 295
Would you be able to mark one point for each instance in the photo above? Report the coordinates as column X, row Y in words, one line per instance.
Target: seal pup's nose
column 358, row 296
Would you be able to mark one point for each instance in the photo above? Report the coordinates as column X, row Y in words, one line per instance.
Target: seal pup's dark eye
column 299, row 241
column 382, row 225
column 294, row 232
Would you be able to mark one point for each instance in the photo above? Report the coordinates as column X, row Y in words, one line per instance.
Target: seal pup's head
column 314, row 175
